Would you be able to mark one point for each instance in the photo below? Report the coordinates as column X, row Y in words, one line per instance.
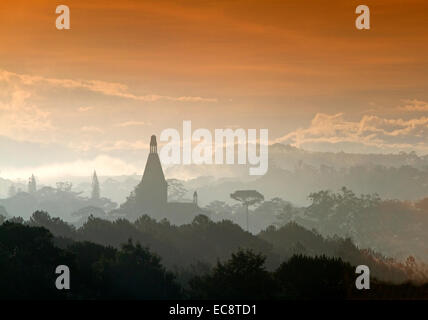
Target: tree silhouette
column 64, row 186
column 32, row 186
column 3, row 213
column 17, row 220
column 247, row 198
column 296, row 263
column 243, row 276
column 28, row 258
column 95, row 187
column 11, row 191
column 54, row 224
column 304, row 277
column 137, row 273
column 176, row 190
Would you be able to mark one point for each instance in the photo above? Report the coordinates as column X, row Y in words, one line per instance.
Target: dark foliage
column 28, row 260
column 242, row 277
column 29, row 256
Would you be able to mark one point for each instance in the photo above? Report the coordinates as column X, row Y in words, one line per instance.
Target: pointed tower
column 95, row 194
column 32, row 186
column 151, row 193
column 195, row 198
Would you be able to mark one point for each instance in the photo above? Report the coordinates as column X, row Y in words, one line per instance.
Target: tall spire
column 152, row 193
column 195, row 198
column 95, row 187
column 32, row 186
column 153, row 145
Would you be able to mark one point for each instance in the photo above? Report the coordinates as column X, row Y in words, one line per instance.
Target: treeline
column 395, row 228
column 402, row 177
column 28, row 259
column 200, row 244
column 61, row 200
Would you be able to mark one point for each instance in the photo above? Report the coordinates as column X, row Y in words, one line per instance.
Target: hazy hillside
column 293, row 174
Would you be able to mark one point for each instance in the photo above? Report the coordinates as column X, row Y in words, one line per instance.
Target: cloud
column 91, row 129
column 414, row 106
column 131, row 124
column 374, row 132
column 110, row 146
column 106, row 88
column 84, row 109
column 21, row 119
column 79, row 168
column 123, row 145
column 29, row 106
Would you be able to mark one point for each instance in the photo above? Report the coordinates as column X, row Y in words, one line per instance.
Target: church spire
column 153, row 145
column 195, row 198
column 151, row 194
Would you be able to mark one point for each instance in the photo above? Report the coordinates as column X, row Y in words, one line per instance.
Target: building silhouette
column 151, row 195
column 152, row 192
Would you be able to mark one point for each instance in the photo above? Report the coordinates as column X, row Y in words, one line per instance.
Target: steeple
column 152, row 192
column 153, row 145
column 195, row 198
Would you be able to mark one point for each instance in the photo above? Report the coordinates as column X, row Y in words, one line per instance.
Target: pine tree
column 95, row 187
column 12, row 191
column 32, row 186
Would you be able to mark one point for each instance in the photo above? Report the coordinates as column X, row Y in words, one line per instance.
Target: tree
column 95, row 187
column 176, row 190
column 85, row 212
column 12, row 191
column 341, row 213
column 243, row 276
column 137, row 273
column 28, row 258
column 54, row 224
column 3, row 213
column 64, row 186
column 16, row 220
column 32, row 186
column 287, row 214
column 220, row 210
column 247, row 198
column 303, row 277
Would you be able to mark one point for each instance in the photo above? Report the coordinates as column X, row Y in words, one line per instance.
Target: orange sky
column 252, row 64
column 266, row 46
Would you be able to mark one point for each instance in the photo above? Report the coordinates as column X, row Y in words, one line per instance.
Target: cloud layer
column 371, row 132
column 414, row 106
column 19, row 118
column 44, row 109
column 107, row 88
column 109, row 166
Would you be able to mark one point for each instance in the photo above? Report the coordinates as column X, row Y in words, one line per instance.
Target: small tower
column 153, row 144
column 95, row 194
column 32, row 186
column 195, row 198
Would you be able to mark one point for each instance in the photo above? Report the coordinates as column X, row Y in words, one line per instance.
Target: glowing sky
column 91, row 96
